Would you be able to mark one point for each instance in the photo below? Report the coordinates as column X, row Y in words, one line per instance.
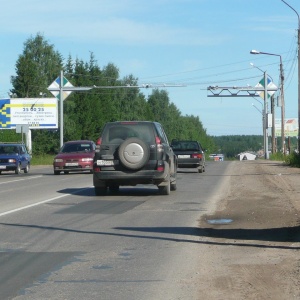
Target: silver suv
column 131, row 153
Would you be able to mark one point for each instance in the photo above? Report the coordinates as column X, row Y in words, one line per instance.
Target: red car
column 75, row 156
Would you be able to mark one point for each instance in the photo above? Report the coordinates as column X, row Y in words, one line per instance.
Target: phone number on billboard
column 33, row 109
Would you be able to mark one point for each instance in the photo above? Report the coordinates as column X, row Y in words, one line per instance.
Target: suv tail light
column 99, row 141
column 97, row 169
column 160, row 166
column 158, row 144
column 197, row 155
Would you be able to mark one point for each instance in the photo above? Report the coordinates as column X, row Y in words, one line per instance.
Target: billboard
column 37, row 113
column 290, row 127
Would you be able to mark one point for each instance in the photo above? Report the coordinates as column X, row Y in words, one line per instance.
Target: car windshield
column 9, row 149
column 80, row 147
column 185, row 146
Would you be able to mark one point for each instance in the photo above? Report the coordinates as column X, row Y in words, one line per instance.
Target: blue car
column 14, row 157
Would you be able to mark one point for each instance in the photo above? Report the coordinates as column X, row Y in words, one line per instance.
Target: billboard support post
column 61, row 107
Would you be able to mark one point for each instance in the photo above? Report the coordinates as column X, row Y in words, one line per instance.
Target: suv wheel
column 18, row 169
column 173, row 186
column 26, row 170
column 134, row 153
column 165, row 189
column 201, row 169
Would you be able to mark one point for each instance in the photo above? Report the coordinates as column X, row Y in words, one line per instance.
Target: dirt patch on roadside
column 252, row 244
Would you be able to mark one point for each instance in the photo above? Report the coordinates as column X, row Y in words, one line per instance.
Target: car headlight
column 58, row 160
column 12, row 160
column 87, row 159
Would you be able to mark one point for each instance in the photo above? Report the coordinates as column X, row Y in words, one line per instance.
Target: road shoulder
column 251, row 241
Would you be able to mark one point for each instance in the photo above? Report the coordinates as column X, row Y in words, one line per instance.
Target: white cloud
column 128, row 22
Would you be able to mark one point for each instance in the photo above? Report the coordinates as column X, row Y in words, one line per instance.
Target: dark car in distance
column 129, row 153
column 75, row 156
column 14, row 157
column 190, row 154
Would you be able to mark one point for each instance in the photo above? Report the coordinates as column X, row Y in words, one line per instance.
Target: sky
column 193, row 43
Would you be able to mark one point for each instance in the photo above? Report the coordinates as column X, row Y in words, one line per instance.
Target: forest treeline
column 231, row 145
column 85, row 113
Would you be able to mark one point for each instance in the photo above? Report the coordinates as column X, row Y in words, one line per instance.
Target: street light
column 257, row 108
column 254, row 66
column 298, row 73
column 266, row 145
column 282, row 95
column 272, row 111
column 263, row 116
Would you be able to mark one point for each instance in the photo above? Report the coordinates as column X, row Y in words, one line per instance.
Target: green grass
column 278, row 156
column 293, row 160
column 45, row 159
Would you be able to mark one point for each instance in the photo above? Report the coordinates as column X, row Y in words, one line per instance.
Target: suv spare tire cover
column 134, row 153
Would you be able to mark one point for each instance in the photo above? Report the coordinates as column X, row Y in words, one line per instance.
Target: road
column 60, row 241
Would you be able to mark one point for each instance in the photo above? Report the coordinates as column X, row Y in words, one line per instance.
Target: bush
column 293, row 160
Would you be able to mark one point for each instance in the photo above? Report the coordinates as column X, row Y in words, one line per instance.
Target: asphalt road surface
column 60, row 241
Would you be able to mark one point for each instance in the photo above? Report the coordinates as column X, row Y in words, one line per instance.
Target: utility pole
column 282, row 107
column 298, row 43
column 282, row 96
column 266, row 115
column 273, row 123
column 298, row 85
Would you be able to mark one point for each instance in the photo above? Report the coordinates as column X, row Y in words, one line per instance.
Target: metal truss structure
column 219, row 91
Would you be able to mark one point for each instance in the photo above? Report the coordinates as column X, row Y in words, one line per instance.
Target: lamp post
column 282, row 95
column 263, row 118
column 265, row 111
column 272, row 111
column 298, row 73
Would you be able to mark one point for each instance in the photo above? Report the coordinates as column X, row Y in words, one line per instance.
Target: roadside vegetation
column 278, row 156
column 86, row 113
column 293, row 160
column 45, row 159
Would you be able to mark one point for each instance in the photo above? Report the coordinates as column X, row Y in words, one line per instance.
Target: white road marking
column 21, row 179
column 39, row 203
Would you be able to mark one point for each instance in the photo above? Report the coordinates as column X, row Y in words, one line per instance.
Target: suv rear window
column 115, row 132
column 185, row 145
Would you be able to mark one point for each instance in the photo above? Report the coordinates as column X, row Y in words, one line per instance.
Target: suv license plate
column 184, row 156
column 105, row 162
